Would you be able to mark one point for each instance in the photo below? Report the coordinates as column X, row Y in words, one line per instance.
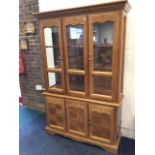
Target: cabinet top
column 112, row 6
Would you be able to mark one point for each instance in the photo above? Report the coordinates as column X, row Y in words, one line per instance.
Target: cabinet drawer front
column 55, row 109
column 101, row 122
column 77, row 117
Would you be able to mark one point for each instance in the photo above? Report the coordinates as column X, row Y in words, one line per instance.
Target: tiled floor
column 34, row 141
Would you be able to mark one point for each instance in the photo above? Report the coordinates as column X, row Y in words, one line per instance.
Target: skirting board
column 129, row 133
column 35, row 106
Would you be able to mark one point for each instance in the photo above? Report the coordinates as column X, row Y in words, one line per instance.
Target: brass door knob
column 90, row 123
column 62, row 116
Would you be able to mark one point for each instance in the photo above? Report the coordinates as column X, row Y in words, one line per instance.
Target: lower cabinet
column 81, row 120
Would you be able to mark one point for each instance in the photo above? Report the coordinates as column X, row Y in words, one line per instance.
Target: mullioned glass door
column 103, row 33
column 53, row 55
column 75, row 43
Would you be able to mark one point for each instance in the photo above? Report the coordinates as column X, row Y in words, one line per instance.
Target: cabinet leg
column 113, row 148
column 47, row 129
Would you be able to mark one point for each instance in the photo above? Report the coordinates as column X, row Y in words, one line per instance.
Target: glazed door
column 77, row 117
column 75, row 43
column 55, row 109
column 103, row 48
column 101, row 123
column 53, row 55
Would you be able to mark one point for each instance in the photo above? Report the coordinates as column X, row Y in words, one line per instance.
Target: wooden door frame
column 76, row 20
column 109, row 110
column 101, row 18
column 85, row 105
column 51, row 23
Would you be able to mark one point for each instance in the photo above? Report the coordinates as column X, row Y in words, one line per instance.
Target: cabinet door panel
column 102, row 85
column 51, row 36
column 55, row 113
column 55, row 80
column 53, row 55
column 76, row 82
column 101, row 122
column 76, row 54
column 103, row 46
column 75, row 47
column 103, row 54
column 77, row 117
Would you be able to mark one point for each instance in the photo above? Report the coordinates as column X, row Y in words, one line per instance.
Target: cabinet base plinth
column 112, row 148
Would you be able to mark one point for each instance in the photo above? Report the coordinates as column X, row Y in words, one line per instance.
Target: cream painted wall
column 128, row 109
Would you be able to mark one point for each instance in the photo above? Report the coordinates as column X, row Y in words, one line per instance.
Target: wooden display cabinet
column 83, row 52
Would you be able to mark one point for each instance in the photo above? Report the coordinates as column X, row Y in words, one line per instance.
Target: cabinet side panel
column 117, row 123
column 124, row 42
column 121, row 54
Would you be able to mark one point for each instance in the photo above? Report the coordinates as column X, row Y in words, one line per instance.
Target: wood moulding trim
column 77, row 72
column 102, row 96
column 100, row 73
column 100, row 139
column 54, row 70
column 76, row 92
column 113, row 148
column 57, row 127
column 112, row 6
column 115, row 104
column 55, row 89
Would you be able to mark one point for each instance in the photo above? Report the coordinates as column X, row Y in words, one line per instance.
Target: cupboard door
column 55, row 113
column 103, row 55
column 77, row 117
column 75, row 43
column 53, row 54
column 101, row 122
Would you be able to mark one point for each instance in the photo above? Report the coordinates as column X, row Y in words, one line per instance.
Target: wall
column 128, row 112
column 128, row 109
column 32, row 58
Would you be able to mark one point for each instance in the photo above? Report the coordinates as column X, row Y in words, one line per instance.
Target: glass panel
column 53, row 57
column 76, row 82
column 103, row 44
column 51, row 36
column 102, row 85
column 54, row 80
column 52, row 48
column 75, row 47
